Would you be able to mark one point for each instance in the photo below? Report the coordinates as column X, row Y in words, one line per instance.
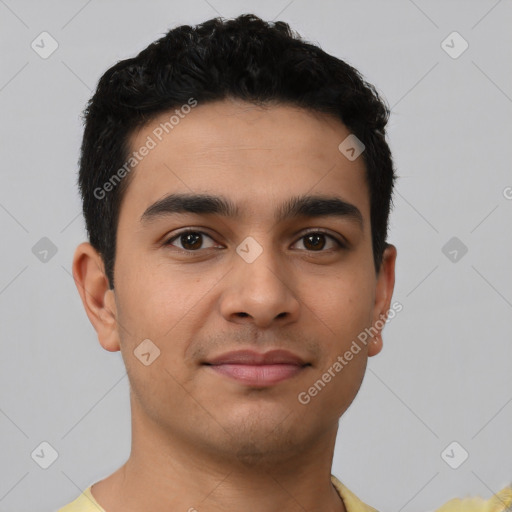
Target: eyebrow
column 305, row 205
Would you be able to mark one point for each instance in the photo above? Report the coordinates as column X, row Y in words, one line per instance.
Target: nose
column 260, row 292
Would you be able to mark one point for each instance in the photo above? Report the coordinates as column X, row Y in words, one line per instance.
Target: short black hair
column 242, row 58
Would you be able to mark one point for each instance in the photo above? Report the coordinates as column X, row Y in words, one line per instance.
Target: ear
column 383, row 294
column 97, row 298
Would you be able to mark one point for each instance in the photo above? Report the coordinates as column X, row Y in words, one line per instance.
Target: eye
column 190, row 240
column 315, row 241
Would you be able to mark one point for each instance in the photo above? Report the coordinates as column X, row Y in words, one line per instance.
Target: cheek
column 155, row 298
column 168, row 308
column 333, row 387
column 344, row 305
column 342, row 312
column 155, row 307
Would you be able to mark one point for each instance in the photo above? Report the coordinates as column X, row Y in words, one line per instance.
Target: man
column 236, row 186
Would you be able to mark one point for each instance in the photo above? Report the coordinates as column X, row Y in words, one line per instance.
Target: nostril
column 242, row 314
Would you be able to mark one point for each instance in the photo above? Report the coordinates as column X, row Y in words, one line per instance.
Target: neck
column 166, row 472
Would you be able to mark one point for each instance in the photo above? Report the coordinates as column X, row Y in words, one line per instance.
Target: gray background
column 445, row 372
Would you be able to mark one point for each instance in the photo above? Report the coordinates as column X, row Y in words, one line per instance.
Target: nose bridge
column 259, row 288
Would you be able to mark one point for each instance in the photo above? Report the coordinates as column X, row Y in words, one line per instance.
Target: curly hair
column 243, row 58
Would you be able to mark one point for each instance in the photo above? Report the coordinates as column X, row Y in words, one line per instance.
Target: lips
column 252, row 357
column 258, row 369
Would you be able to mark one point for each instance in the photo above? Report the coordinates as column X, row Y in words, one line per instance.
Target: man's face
column 302, row 282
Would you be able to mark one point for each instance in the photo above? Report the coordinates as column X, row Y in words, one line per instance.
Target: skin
column 200, row 439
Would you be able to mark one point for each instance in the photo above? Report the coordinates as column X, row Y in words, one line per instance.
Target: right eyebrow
column 189, row 203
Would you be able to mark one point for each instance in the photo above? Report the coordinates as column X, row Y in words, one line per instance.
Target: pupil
column 191, row 239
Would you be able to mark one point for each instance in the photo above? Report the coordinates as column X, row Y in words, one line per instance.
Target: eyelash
column 176, row 236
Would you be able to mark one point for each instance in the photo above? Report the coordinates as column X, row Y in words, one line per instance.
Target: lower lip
column 258, row 375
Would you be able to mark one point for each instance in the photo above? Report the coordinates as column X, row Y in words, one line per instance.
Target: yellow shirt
column 498, row 503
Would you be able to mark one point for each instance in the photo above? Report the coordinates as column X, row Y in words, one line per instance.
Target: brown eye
column 316, row 241
column 189, row 240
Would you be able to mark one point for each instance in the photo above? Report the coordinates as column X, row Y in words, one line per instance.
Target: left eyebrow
column 320, row 206
column 299, row 206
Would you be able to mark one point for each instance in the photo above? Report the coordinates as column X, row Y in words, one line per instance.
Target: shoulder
column 350, row 500
column 500, row 502
column 84, row 503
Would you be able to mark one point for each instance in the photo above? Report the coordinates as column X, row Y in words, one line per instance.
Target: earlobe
column 97, row 298
column 375, row 345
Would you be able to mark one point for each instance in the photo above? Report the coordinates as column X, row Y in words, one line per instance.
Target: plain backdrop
column 444, row 374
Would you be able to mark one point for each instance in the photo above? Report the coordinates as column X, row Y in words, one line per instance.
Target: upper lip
column 252, row 357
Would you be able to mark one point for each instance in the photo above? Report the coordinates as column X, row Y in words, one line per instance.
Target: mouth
column 256, row 369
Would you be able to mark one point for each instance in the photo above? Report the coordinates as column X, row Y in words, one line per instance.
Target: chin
column 265, row 441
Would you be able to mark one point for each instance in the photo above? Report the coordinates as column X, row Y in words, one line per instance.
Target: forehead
column 259, row 157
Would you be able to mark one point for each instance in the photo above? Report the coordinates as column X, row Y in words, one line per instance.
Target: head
column 231, row 130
